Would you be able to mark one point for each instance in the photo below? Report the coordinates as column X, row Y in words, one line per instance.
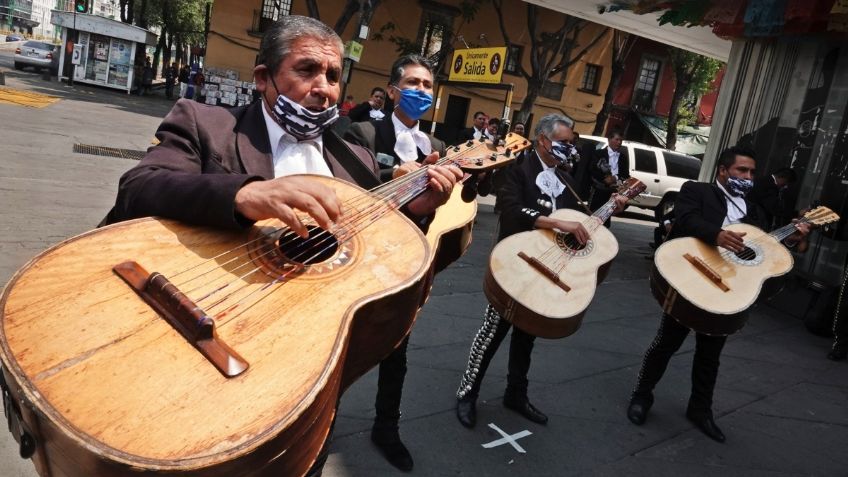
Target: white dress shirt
column 409, row 140
column 613, row 160
column 736, row 207
column 291, row 156
column 481, row 132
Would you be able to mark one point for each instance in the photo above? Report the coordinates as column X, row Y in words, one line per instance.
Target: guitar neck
column 787, row 230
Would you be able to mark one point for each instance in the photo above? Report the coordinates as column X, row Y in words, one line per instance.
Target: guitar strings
column 779, row 234
column 392, row 195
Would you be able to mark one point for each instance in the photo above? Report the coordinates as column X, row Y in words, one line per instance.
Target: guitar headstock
column 475, row 156
column 821, row 215
column 631, row 187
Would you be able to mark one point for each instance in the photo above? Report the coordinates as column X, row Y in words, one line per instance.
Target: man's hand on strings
column 441, row 180
column 731, row 240
column 410, row 166
column 574, row 228
column 278, row 198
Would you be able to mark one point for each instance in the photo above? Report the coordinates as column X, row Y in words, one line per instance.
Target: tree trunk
column 312, row 8
column 350, row 9
column 160, row 45
column 168, row 46
column 534, row 86
column 603, row 114
column 680, row 88
column 142, row 15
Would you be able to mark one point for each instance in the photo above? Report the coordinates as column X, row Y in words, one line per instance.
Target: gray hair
column 548, row 123
column 277, row 41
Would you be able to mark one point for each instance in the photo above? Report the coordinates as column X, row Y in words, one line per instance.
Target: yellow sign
column 478, row 65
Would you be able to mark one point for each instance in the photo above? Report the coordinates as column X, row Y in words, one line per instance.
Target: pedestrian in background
column 170, row 78
column 146, row 78
column 183, row 79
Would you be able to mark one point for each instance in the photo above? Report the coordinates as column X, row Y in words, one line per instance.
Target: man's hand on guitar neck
column 798, row 238
column 573, row 228
column 731, row 240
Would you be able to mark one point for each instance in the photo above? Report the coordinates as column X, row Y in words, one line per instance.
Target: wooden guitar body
column 712, row 293
column 450, row 232
column 109, row 388
column 534, row 302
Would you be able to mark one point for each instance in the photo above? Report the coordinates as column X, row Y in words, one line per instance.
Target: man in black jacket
column 477, row 130
column 399, row 147
column 533, row 188
column 701, row 210
column 607, row 168
column 371, row 110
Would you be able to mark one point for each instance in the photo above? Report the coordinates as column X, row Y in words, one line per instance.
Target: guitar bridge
column 707, row 271
column 184, row 315
column 544, row 270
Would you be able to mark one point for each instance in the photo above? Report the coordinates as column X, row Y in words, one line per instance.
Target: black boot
column 516, row 400
column 704, row 421
column 386, row 437
column 466, row 411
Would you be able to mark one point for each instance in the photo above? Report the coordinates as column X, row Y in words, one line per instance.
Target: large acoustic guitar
column 150, row 347
column 708, row 288
column 543, row 280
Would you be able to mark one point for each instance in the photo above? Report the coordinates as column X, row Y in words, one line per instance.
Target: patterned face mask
column 739, row 187
column 299, row 121
column 564, row 152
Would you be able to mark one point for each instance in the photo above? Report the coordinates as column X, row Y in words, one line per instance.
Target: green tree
column 551, row 52
column 693, row 77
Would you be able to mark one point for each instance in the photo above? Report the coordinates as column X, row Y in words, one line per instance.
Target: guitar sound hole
column 572, row 243
column 318, row 247
column 746, row 254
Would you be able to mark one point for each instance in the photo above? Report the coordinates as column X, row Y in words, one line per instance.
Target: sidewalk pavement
column 781, row 404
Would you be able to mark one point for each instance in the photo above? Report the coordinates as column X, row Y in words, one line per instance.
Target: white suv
column 662, row 171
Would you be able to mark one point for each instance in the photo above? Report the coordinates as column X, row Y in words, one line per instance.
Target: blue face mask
column 739, row 187
column 414, row 102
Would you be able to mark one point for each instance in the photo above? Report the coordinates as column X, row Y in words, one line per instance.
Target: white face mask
column 299, row 121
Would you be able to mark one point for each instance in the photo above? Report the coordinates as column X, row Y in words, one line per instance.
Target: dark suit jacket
column 521, row 201
column 600, row 156
column 379, row 137
column 467, row 134
column 700, row 210
column 362, row 112
column 205, row 155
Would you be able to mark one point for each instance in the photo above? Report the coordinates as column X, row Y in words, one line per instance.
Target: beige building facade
column 236, row 29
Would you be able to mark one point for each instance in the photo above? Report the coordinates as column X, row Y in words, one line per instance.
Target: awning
column 102, row 26
column 691, row 140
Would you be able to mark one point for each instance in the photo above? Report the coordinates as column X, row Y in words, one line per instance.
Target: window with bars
column 435, row 28
column 513, row 59
column 646, row 84
column 591, row 78
column 274, row 9
column 552, row 90
column 271, row 11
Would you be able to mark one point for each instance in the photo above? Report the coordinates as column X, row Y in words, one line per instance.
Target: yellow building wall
column 232, row 19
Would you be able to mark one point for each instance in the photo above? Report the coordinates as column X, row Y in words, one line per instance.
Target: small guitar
column 151, row 347
column 708, row 288
column 543, row 280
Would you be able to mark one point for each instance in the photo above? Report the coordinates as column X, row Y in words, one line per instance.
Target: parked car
column 661, row 170
column 37, row 54
column 14, row 37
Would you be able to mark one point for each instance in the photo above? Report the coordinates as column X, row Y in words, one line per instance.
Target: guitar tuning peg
column 469, row 143
column 456, row 149
column 508, row 153
column 494, row 156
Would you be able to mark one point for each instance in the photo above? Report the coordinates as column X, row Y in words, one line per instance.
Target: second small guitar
column 708, row 288
column 543, row 280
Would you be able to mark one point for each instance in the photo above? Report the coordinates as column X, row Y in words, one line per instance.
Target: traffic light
column 81, row 6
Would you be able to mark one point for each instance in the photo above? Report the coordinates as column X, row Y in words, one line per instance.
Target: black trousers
column 670, row 336
column 392, row 373
column 483, row 349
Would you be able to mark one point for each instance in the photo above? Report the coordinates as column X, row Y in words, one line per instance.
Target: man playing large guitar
column 532, row 189
column 701, row 211
column 230, row 168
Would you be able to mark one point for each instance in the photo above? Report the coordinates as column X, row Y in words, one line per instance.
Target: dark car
column 14, row 37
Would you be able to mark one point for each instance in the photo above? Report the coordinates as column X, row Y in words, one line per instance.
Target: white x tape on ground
column 510, row 439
